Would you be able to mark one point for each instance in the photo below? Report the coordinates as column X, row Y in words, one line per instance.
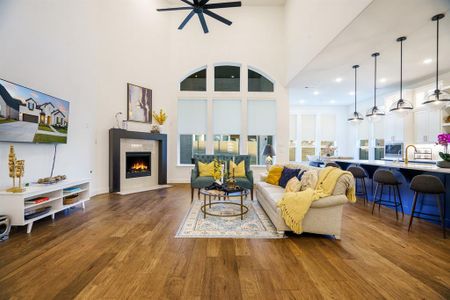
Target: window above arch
column 227, row 79
column 195, row 82
column 258, row 82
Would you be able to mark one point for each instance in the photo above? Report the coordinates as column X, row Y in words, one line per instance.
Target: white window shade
column 328, row 127
column 262, row 117
column 308, row 127
column 293, row 127
column 227, row 116
column 192, row 116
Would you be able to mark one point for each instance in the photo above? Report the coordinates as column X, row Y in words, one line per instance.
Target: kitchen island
column 404, row 173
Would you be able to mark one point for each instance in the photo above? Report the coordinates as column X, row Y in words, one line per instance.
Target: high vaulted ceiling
column 376, row 30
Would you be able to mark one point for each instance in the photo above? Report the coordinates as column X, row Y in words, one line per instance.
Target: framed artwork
column 139, row 107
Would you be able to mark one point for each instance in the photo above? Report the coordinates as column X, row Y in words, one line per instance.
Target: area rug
column 255, row 224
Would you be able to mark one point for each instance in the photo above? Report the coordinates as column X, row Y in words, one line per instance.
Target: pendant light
column 375, row 113
column 401, row 106
column 437, row 99
column 356, row 117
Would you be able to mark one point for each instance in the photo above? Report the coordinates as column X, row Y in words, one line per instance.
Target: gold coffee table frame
column 221, row 195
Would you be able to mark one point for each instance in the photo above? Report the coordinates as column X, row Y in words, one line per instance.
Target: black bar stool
column 386, row 178
column 333, row 164
column 432, row 185
column 360, row 174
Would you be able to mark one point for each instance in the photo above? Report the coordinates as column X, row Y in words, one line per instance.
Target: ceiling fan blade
column 203, row 2
column 188, row 2
column 217, row 17
column 186, row 20
column 203, row 22
column 174, row 8
column 223, row 5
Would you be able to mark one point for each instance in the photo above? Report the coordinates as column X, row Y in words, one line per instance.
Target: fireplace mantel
column 115, row 135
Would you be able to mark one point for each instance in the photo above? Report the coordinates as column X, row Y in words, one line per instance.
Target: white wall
column 49, row 46
column 86, row 51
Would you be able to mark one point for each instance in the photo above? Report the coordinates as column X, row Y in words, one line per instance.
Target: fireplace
column 138, row 164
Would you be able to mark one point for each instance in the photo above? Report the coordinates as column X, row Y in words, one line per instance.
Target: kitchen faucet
column 406, row 153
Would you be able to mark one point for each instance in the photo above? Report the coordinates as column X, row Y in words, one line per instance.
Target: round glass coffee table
column 216, row 197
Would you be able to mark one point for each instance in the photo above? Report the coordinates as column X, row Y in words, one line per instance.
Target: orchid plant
column 444, row 140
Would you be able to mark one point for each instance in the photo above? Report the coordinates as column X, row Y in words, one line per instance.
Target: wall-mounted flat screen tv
column 29, row 116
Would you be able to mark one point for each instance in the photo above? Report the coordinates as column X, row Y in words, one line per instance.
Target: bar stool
column 359, row 174
column 386, row 178
column 333, row 164
column 4, row 222
column 432, row 185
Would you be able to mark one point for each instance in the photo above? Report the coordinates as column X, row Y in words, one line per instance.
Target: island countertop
column 397, row 165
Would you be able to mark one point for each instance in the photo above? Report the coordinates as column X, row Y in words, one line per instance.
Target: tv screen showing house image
column 29, row 116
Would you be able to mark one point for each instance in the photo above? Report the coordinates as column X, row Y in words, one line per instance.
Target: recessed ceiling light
column 332, row 101
column 383, row 80
column 339, row 79
column 316, row 93
column 301, row 101
column 351, row 93
column 427, row 61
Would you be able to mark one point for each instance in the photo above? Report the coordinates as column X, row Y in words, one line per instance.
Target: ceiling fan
column 202, row 8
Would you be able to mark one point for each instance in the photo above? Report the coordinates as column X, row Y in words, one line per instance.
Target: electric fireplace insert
column 138, row 164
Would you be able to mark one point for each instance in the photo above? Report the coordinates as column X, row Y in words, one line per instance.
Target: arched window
column 227, row 79
column 258, row 82
column 228, row 132
column 195, row 82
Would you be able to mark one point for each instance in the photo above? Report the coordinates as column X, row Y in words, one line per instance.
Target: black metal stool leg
column 395, row 203
column 400, row 200
column 413, row 210
column 375, row 199
column 438, row 198
column 366, row 199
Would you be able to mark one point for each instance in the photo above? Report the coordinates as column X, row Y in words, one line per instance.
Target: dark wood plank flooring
column 124, row 247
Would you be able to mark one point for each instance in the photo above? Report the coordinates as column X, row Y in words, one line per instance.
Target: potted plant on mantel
column 160, row 119
column 444, row 140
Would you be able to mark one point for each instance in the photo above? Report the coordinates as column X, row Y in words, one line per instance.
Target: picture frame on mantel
column 139, row 104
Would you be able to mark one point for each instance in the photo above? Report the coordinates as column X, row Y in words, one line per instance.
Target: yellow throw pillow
column 293, row 185
column 274, row 175
column 206, row 170
column 239, row 169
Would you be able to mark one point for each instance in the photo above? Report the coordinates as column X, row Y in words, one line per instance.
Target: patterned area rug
column 255, row 224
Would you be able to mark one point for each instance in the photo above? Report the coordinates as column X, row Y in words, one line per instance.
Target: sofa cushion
column 293, row 185
column 286, row 175
column 274, row 174
column 243, row 182
column 202, row 182
column 309, row 180
column 239, row 169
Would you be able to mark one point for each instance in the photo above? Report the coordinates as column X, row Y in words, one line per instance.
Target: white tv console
column 14, row 206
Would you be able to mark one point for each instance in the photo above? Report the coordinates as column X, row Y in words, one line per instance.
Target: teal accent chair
column 198, row 182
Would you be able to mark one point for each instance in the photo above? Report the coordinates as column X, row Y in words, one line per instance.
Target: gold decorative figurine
column 16, row 170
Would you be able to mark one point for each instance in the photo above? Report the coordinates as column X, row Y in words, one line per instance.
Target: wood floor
column 124, row 247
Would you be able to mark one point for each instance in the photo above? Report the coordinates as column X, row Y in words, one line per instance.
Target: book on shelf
column 37, row 200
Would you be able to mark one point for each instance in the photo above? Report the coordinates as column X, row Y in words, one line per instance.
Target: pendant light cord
column 401, row 69
column 355, row 88
column 437, row 55
column 375, row 83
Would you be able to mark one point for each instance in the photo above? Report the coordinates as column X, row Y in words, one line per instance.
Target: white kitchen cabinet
column 394, row 127
column 427, row 126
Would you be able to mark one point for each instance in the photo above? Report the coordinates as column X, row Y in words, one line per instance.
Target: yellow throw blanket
column 294, row 206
